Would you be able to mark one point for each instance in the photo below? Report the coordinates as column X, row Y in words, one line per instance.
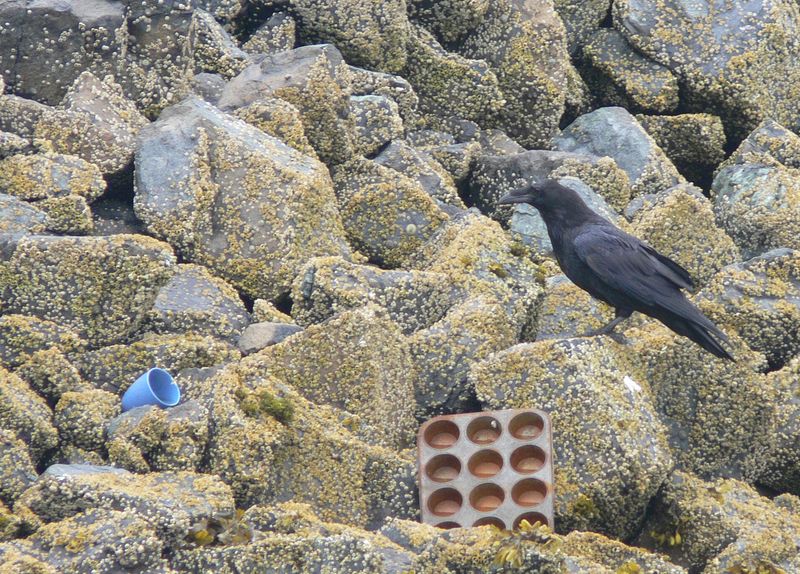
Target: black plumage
column 616, row 267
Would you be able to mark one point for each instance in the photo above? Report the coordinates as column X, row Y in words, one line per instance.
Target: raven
column 616, row 267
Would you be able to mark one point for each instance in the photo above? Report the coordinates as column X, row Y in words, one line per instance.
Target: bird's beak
column 520, row 195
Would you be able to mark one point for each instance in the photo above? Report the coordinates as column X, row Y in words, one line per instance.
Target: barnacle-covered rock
column 769, row 140
column 68, row 214
column 207, row 86
column 26, row 415
column 40, row 176
column 695, row 143
column 357, row 361
column 447, row 83
column 760, row 300
column 444, row 352
column 170, row 502
column 620, row 76
column 17, row 472
column 266, row 311
column 615, row 133
column 449, row 20
column 569, row 311
column 258, row 336
column 21, row 336
column 742, row 76
column 279, row 119
column 327, row 286
column 398, row 89
column 194, row 301
column 616, row 556
column 387, row 216
column 19, row 115
column 148, row 438
column 20, row 217
column 679, row 223
column 12, row 144
column 421, row 166
column 758, row 204
column 369, row 34
column 17, row 558
column 99, row 287
column 377, row 122
column 611, row 450
column 212, row 48
column 51, row 374
column 316, row 80
column 782, row 470
column 525, row 44
column 715, row 418
column 116, row 367
column 581, row 19
column 476, row 254
column 234, row 199
column 722, row 526
column 82, row 417
column 277, row 34
column 457, row 159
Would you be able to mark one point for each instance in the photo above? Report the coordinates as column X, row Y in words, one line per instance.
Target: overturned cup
column 155, row 387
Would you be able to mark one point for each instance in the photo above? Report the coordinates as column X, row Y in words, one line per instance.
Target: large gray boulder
column 230, row 197
column 581, row 19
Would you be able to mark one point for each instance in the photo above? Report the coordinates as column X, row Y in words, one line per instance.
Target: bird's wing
column 627, row 265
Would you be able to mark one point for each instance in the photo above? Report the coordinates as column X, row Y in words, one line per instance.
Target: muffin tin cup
column 492, row 467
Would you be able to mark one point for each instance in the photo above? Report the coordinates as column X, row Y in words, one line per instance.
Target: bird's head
column 539, row 194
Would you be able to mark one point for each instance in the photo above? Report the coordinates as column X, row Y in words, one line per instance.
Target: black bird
column 616, row 267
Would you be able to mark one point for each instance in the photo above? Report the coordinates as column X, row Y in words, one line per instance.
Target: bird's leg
column 608, row 328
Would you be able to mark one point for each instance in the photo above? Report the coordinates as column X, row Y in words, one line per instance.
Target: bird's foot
column 619, row 338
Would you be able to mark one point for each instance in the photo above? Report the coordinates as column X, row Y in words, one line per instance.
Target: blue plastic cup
column 155, row 387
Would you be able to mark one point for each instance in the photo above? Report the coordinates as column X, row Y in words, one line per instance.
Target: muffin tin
column 492, row 467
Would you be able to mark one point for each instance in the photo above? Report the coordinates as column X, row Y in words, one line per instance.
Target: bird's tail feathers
column 702, row 335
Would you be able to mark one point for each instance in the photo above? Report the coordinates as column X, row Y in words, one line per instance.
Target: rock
column 213, row 49
column 316, row 80
column 369, row 34
column 612, row 456
column 12, row 144
column 760, row 300
column 758, row 204
column 743, row 78
column 569, row 311
column 69, row 214
column 620, row 76
column 97, row 124
column 259, row 336
column 769, row 140
column 26, row 415
column 19, row 115
column 280, row 119
column 524, row 43
column 17, row 472
column 51, row 374
column 386, row 215
column 33, row 177
column 615, row 555
column 100, row 542
column 679, row 223
column 715, row 418
column 496, row 175
column 47, row 45
column 275, row 35
column 19, row 217
column 327, row 286
column 116, row 367
column 148, row 438
column 21, row 336
column 457, row 159
column 449, row 84
column 527, row 226
column 782, row 471
column 170, row 502
column 695, row 143
column 115, row 216
column 85, row 283
column 250, row 208
column 357, row 361
column 476, row 254
column 377, row 122
column 82, row 417
column 420, row 166
column 266, row 311
column 449, row 20
column 724, row 525
column 615, row 133
column 194, row 301
column 445, row 351
column 208, row 86
column 371, row 83
column 581, row 19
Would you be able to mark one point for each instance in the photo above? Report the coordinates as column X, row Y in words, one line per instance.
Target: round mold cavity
column 529, row 492
column 448, row 525
column 443, row 468
column 442, row 434
column 528, row 459
column 526, row 426
column 484, row 430
column 486, row 497
column 445, row 502
column 532, row 518
column 490, row 521
column 485, row 463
